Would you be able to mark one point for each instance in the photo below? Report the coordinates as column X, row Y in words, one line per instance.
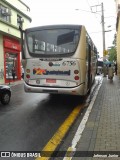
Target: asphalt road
column 31, row 119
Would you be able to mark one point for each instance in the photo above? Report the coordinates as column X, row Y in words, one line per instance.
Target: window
column 53, row 41
column 11, row 61
column 5, row 13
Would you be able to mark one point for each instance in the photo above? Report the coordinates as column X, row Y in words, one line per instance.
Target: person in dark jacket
column 115, row 68
column 13, row 73
column 22, row 76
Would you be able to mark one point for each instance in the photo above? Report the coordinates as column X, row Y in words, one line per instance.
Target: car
column 99, row 70
column 99, row 67
column 5, row 94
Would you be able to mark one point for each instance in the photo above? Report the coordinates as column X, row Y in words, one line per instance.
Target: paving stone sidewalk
column 102, row 131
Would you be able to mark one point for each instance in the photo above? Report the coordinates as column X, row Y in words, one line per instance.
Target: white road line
column 76, row 139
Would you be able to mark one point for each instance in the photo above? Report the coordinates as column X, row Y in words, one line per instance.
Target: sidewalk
column 102, row 130
column 15, row 83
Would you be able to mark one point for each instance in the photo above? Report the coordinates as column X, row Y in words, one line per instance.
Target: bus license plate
column 50, row 80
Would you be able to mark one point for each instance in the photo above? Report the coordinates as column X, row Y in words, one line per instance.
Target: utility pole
column 104, row 49
column 103, row 29
column 103, row 35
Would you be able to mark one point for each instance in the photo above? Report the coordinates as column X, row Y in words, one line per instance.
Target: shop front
column 11, row 59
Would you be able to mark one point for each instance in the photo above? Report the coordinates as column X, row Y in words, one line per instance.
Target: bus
column 58, row 59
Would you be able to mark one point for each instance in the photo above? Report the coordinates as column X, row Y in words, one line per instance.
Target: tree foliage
column 112, row 54
column 112, row 51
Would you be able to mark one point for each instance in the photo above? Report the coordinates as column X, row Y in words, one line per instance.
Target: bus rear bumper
column 79, row 90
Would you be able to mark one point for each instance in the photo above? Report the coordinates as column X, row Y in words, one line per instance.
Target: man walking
column 13, row 73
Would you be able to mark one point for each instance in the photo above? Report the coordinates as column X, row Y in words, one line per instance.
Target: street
column 31, row 119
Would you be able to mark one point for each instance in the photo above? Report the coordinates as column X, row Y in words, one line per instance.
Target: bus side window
column 30, row 44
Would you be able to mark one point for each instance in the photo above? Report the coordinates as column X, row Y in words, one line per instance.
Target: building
column 13, row 13
column 118, row 35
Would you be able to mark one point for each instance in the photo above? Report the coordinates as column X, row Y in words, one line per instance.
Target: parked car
column 5, row 94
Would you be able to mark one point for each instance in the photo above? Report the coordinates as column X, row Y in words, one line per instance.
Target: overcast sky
column 44, row 12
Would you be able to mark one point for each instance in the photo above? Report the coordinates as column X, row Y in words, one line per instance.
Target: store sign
column 12, row 45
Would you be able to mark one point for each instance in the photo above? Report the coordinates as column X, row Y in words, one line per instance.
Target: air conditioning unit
column 6, row 12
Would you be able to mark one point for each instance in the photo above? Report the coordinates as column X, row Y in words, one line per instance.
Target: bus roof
column 54, row 26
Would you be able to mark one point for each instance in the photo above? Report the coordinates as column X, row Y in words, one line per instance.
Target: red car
column 5, row 94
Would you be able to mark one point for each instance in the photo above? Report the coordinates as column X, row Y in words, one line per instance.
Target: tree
column 112, row 54
column 112, row 51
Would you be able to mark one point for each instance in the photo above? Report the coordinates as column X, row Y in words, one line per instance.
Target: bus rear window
column 53, row 41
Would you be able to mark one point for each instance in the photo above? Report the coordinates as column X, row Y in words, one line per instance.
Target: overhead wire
column 93, row 12
column 101, row 31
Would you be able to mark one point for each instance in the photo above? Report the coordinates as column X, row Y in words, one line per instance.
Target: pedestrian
column 13, row 73
column 104, row 70
column 22, row 73
column 110, row 72
column 116, row 68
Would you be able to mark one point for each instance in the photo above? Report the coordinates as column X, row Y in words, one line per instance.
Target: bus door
column 89, row 67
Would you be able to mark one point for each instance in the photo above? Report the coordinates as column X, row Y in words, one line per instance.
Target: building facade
column 13, row 13
column 118, row 35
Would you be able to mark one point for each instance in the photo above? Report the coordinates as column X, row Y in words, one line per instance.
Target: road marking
column 61, row 132
column 76, row 139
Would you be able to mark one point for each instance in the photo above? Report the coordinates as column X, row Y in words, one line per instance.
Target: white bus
column 58, row 59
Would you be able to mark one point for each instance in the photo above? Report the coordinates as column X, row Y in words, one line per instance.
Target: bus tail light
column 27, row 76
column 76, row 77
column 76, row 71
column 74, row 92
column 28, row 70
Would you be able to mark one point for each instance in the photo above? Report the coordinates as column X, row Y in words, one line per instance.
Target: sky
column 83, row 12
